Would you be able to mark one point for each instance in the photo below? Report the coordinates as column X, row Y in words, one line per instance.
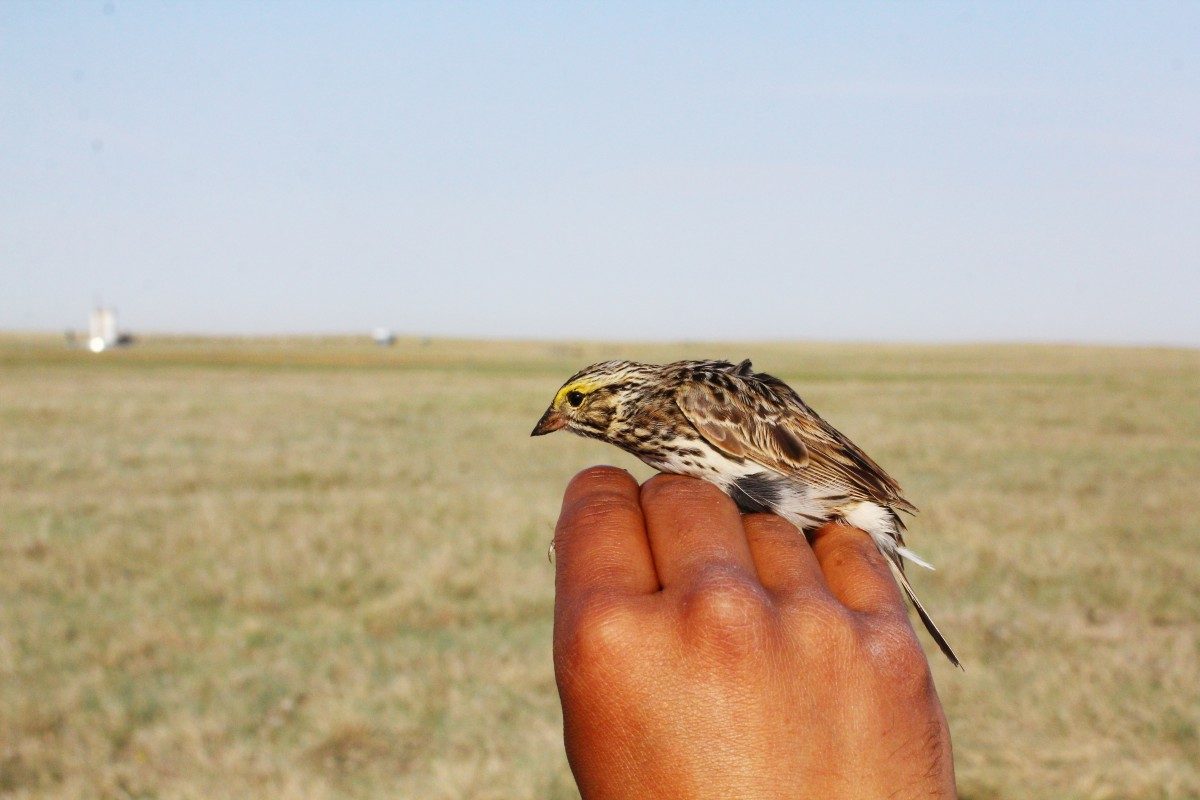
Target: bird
column 751, row 435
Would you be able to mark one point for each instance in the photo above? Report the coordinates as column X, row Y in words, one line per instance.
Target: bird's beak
column 550, row 422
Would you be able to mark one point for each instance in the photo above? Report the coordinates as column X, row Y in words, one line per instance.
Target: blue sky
column 884, row 172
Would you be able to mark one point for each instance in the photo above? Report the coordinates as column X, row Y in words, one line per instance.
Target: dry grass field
column 317, row 568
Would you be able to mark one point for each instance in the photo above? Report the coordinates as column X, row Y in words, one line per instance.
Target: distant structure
column 383, row 337
column 102, row 330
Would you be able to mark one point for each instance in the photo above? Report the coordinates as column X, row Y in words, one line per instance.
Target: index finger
column 600, row 540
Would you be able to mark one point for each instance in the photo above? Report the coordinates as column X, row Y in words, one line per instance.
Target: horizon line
column 365, row 335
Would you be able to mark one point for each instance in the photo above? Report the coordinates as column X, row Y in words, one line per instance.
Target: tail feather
column 913, row 557
column 898, row 571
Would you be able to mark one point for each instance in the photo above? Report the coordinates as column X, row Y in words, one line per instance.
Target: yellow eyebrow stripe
column 577, row 386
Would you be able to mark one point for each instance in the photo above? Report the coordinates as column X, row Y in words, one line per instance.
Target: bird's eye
column 575, row 398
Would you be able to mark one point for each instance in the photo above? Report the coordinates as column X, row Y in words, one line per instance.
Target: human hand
column 700, row 653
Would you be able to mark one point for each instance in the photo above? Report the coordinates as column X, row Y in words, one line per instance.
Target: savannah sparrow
column 750, row 434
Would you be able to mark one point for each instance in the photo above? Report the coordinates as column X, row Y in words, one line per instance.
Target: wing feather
column 759, row 417
column 739, row 431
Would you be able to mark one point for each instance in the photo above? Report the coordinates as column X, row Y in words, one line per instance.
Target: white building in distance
column 102, row 329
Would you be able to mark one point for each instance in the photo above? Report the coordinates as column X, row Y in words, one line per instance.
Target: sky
column 935, row 172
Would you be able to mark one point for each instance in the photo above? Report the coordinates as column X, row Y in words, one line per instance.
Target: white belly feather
column 804, row 505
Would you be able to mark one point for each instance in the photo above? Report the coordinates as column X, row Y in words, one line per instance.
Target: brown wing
column 741, row 428
column 759, row 417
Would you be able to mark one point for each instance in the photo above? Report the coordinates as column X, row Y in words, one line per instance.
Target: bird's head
column 593, row 399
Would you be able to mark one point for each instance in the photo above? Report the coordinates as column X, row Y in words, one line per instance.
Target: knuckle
column 773, row 529
column 596, row 631
column 599, row 504
column 599, row 479
column 847, row 550
column 827, row 629
column 727, row 610
column 601, row 473
column 896, row 655
column 768, row 533
column 679, row 489
column 595, row 509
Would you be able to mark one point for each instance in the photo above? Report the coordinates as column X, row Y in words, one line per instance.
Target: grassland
column 316, row 568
